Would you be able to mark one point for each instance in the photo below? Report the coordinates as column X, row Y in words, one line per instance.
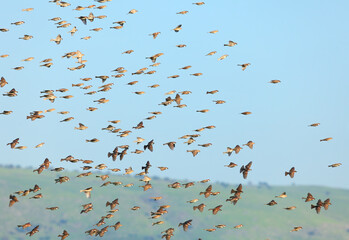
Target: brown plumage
column 112, row 204
column 194, row 152
column 149, row 146
column 14, row 143
column 291, row 172
column 24, row 226
column 318, row 206
column 33, row 231
column 245, row 169
column 309, row 197
column 13, row 200
column 326, row 204
column 216, row 209
column 185, row 224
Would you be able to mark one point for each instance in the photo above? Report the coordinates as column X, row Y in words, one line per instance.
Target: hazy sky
column 302, row 43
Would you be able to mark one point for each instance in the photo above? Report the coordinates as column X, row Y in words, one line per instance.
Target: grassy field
column 259, row 221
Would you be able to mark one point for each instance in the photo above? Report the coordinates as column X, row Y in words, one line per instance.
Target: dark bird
column 64, row 235
column 318, row 206
column 13, row 200
column 14, row 143
column 245, row 169
column 185, row 224
column 271, row 203
column 113, row 154
column 149, row 146
column 146, row 167
column 291, row 172
column 33, row 231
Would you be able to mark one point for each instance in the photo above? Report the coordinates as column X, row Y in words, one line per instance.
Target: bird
column 291, row 172
column 230, row 44
column 244, row 66
column 194, row 152
column 309, row 197
column 314, row 125
column 87, row 192
column 171, row 145
column 33, row 231
column 271, row 203
column 216, row 209
column 318, row 206
column 335, row 165
column 178, row 28
column 326, row 139
column 58, row 39
column 249, row 144
column 282, row 195
column 245, row 169
column 185, row 224
column 275, row 81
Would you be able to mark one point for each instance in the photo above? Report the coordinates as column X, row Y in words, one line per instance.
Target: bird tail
column 287, row 173
column 312, row 206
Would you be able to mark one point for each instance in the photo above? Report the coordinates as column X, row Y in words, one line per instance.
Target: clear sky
column 302, row 43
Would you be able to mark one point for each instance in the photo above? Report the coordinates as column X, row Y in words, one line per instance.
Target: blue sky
column 301, row 43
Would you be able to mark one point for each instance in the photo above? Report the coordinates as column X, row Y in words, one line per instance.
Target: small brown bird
column 335, row 165
column 309, row 197
column 216, row 209
column 212, row 92
column 290, row 208
column 245, row 169
column 244, row 66
column 231, row 165
column 246, row 113
column 183, row 12
column 314, row 125
column 296, row 229
column 154, row 34
column 33, row 231
column 178, row 28
column 194, row 152
column 249, row 144
column 326, row 204
column 185, row 224
column 14, row 143
column 230, row 44
column 326, row 139
column 52, row 208
column 211, row 53
column 81, row 127
column 199, row 3
column 3, row 82
column 275, row 81
column 271, row 203
column 282, row 195
column 203, row 111
column 171, row 145
column 318, row 206
column 87, row 192
column 58, row 39
column 291, row 172
column 133, row 11
column 37, row 196
column 24, row 226
column 13, row 200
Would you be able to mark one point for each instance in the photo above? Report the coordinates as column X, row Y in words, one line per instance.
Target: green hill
column 259, row 221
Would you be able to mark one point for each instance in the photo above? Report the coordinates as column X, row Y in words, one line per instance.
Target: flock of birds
column 119, row 152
